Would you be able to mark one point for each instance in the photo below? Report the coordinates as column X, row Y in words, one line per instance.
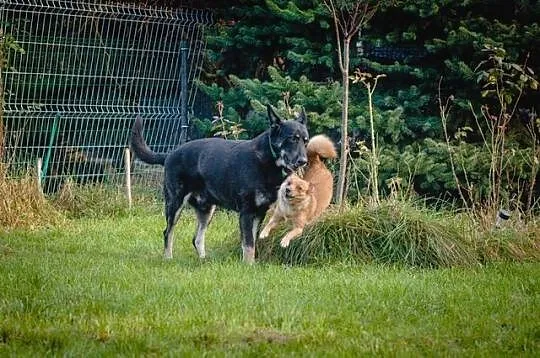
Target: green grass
column 100, row 287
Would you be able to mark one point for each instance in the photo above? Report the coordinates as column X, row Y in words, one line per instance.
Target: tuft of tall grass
column 100, row 200
column 513, row 243
column 399, row 232
column 22, row 205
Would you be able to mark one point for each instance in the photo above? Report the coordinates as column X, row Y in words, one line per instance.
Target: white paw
column 264, row 234
column 249, row 255
column 284, row 242
column 201, row 251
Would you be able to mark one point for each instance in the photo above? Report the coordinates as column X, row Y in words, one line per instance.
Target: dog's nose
column 287, row 191
column 301, row 162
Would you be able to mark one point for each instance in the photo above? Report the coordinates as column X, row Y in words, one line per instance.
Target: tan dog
column 302, row 201
column 296, row 202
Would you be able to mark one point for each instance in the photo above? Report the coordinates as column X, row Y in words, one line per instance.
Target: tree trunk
column 340, row 190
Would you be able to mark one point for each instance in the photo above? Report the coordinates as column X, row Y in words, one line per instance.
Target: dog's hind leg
column 173, row 209
column 204, row 215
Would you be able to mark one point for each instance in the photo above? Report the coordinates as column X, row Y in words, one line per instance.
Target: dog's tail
column 321, row 146
column 139, row 147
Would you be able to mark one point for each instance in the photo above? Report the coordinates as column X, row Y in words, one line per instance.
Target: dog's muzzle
column 291, row 168
column 288, row 193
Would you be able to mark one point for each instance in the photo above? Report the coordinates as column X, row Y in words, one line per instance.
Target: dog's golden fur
column 303, row 200
column 320, row 147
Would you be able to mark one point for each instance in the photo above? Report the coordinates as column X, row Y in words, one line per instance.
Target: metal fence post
column 183, row 88
column 52, row 139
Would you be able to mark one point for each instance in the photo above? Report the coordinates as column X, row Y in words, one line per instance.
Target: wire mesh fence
column 86, row 71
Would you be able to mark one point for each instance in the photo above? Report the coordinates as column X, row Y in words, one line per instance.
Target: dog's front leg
column 249, row 226
column 294, row 233
column 272, row 223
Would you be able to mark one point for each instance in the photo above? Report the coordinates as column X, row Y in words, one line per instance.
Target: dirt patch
column 267, row 335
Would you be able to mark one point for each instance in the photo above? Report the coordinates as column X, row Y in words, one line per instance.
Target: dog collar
column 275, row 156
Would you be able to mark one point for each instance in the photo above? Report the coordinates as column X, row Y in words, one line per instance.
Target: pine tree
column 254, row 35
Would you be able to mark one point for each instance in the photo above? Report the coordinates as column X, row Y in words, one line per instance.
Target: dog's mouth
column 289, row 169
column 292, row 168
column 290, row 165
column 295, row 197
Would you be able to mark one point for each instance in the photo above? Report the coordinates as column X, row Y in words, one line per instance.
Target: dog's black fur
column 243, row 176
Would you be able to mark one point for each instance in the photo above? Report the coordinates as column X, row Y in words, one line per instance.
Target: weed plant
column 24, row 206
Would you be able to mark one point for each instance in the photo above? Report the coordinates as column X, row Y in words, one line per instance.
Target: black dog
column 243, row 176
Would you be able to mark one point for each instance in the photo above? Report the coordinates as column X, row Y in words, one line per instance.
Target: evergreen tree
column 292, row 36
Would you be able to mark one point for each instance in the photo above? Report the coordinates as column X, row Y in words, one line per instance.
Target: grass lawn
column 100, row 287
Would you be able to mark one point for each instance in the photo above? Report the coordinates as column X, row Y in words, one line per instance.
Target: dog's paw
column 248, row 255
column 284, row 242
column 264, row 234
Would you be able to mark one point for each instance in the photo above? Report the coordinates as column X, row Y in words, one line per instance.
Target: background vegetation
column 284, row 53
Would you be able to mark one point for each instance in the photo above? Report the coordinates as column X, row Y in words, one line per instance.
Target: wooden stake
column 39, row 173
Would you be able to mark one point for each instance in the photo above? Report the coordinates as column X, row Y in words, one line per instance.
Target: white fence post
column 127, row 162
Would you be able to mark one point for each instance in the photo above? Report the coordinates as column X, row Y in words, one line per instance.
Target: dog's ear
column 302, row 118
column 274, row 119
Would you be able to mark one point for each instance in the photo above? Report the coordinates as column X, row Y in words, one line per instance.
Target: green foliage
column 502, row 79
column 7, row 44
column 320, row 100
column 253, row 36
column 505, row 83
column 424, row 168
